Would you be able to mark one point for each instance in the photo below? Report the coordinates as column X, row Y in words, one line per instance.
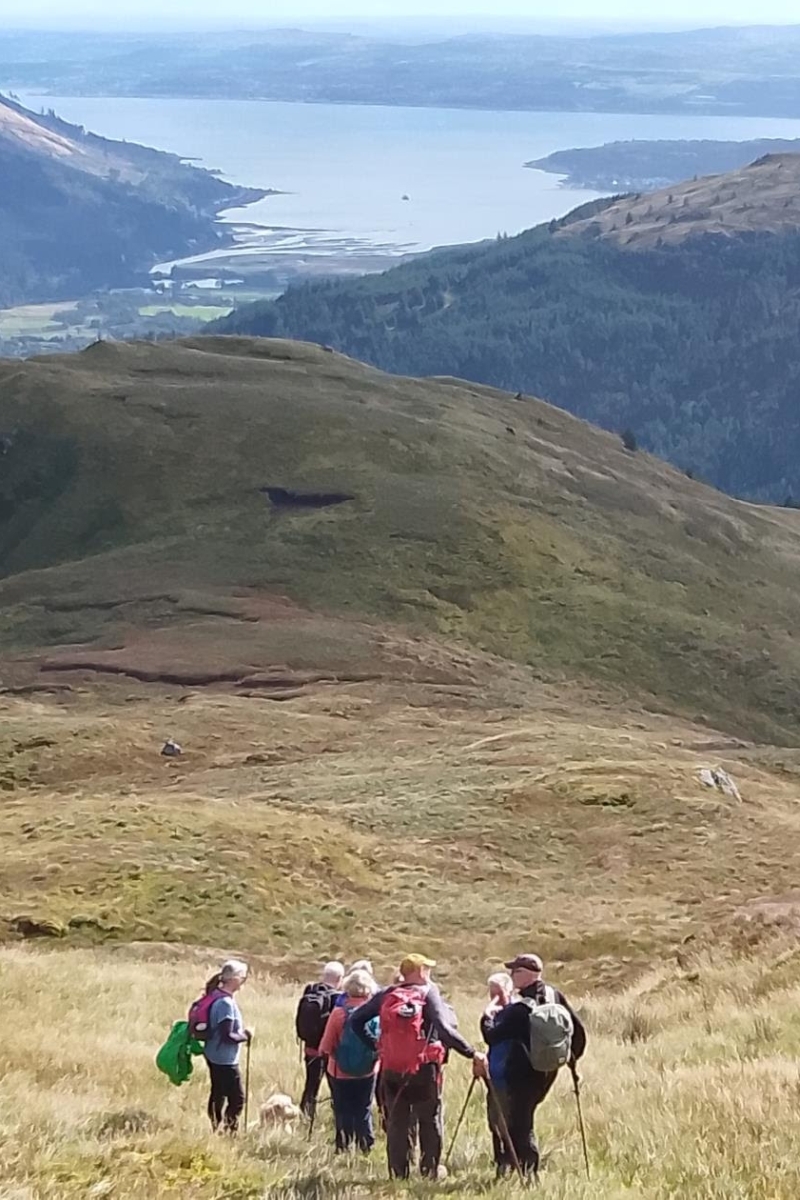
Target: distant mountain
column 78, row 212
column 642, row 165
column 673, row 316
column 743, row 70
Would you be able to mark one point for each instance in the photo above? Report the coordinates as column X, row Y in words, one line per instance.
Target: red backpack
column 200, row 1015
column 403, row 1046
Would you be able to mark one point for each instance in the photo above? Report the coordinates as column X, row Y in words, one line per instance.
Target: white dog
column 279, row 1111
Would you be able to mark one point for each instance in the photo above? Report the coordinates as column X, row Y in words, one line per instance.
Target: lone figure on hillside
column 529, row 1039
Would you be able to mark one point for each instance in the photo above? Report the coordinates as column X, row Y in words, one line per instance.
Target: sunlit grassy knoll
column 690, row 1089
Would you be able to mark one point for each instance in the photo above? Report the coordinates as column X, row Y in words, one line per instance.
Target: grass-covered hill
column 414, row 637
column 144, row 487
column 78, row 211
column 673, row 315
column 449, row 671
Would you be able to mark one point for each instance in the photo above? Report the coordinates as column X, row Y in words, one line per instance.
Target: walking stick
column 247, row 1080
column 502, row 1129
column 460, row 1120
column 576, row 1082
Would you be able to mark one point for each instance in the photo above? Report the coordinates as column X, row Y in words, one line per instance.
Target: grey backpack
column 550, row 1034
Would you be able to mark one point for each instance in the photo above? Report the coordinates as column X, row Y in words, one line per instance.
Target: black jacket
column 512, row 1025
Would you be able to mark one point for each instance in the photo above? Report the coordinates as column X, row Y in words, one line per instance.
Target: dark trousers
column 413, row 1102
column 352, row 1112
column 517, row 1101
column 315, row 1069
column 227, row 1096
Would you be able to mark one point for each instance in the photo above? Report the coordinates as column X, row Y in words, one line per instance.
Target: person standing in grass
column 313, row 1010
column 226, row 1033
column 517, row 1089
column 351, row 1067
column 415, row 1032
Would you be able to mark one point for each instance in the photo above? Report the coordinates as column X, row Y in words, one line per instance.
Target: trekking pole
column 576, row 1082
column 502, row 1129
column 313, row 1117
column 247, row 1080
column 460, row 1120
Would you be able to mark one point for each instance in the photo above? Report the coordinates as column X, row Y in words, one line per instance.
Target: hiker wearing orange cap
column 415, row 1032
column 528, row 1039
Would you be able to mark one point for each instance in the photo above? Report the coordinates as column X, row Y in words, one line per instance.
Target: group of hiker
column 390, row 1044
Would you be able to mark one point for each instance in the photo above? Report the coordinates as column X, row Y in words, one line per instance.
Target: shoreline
column 722, row 112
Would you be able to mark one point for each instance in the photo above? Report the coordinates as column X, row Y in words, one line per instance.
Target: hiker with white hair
column 501, row 989
column 351, row 1066
column 529, row 1039
column 313, row 1010
column 224, row 1035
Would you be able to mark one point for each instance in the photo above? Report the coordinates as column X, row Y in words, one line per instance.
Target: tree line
column 691, row 347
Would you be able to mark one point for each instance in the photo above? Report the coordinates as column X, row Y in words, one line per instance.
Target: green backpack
column 175, row 1056
column 550, row 1033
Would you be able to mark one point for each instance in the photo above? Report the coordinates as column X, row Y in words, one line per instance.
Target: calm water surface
column 346, row 168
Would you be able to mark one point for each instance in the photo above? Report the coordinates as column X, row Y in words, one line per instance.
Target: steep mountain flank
column 79, row 212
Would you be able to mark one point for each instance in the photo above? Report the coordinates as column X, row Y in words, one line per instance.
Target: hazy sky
column 249, row 13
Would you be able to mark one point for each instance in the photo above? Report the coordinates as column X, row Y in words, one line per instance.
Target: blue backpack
column 352, row 1056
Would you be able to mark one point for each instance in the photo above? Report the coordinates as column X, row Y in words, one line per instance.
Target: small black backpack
column 316, row 1004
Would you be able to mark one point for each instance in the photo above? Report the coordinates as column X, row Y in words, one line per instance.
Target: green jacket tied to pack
column 175, row 1056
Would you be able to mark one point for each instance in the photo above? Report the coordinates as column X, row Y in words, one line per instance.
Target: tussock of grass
column 701, row 1108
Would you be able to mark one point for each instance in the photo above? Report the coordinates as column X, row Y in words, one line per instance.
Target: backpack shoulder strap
column 218, row 995
column 549, row 994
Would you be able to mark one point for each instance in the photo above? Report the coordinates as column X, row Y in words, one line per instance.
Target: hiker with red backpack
column 313, row 1010
column 216, row 1021
column 351, row 1066
column 414, row 1034
column 529, row 1038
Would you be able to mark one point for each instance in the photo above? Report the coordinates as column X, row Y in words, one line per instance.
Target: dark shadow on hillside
column 286, row 498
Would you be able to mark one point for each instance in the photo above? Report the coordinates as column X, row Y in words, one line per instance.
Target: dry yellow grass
column 690, row 1089
column 585, row 830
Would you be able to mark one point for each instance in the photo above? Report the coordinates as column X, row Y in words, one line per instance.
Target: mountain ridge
column 744, row 71
column 671, row 316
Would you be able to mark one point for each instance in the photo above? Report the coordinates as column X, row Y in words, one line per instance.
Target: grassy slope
column 308, row 827
column 476, row 658
column 510, row 527
column 701, row 1105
